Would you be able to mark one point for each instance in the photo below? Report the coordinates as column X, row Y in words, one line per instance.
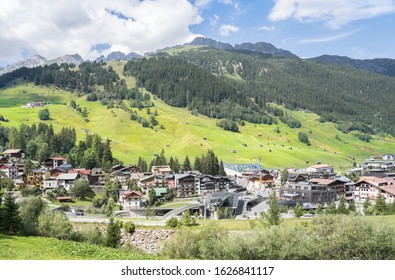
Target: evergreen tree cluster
column 184, row 84
column 38, row 142
column 336, row 93
column 91, row 153
column 228, row 125
column 209, row 164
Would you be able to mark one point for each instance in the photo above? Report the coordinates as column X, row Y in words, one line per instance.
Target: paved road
column 88, row 219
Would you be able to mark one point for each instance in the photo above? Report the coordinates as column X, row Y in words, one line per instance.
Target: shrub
column 129, row 227
column 303, row 138
column 173, row 222
column 54, row 224
column 44, row 114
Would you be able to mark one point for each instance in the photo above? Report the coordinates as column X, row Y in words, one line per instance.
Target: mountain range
column 38, row 60
column 382, row 66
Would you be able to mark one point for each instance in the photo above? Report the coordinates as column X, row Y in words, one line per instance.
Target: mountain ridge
column 118, row 56
column 384, row 66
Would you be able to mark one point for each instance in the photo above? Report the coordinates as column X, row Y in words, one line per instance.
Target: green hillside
column 40, row 248
column 184, row 133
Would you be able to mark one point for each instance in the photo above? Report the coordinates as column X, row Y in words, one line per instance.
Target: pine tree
column 151, row 197
column 11, row 219
column 351, row 206
column 298, row 211
column 197, row 164
column 113, row 235
column 110, row 207
column 222, row 169
column 187, row 164
column 331, row 210
column 381, row 205
column 176, row 166
column 342, row 208
column 273, row 217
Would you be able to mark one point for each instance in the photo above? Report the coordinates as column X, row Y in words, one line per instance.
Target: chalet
column 54, row 162
column 97, row 177
column 66, row 180
column 50, row 184
column 321, row 168
column 123, row 174
column 372, row 187
column 184, row 185
column 84, row 173
column 337, row 185
column 297, row 177
column 130, row 199
column 9, row 170
column 37, row 176
column 14, row 153
column 161, row 170
column 54, row 173
column 259, row 181
column 306, row 192
column 146, row 182
column 207, row 184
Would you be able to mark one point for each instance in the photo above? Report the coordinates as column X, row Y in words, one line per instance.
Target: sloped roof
column 12, row 151
column 68, row 176
column 131, row 194
column 321, row 166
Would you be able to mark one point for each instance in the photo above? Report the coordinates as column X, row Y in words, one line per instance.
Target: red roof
column 131, row 194
column 57, row 158
column 81, row 171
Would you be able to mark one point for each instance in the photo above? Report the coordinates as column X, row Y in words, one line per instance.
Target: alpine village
column 199, row 151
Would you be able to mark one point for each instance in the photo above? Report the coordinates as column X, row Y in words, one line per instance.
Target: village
column 243, row 192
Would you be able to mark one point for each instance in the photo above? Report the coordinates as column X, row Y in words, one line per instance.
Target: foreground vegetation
column 40, row 248
column 324, row 238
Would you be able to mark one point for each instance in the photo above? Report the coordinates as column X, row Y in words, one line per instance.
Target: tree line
column 41, row 141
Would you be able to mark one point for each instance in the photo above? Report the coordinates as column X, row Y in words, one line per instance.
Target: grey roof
column 181, row 176
column 68, row 176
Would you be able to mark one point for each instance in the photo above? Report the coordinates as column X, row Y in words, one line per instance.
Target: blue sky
column 356, row 28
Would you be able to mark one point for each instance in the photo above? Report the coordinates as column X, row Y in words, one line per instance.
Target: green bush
column 44, row 114
column 324, row 238
column 129, row 227
column 173, row 222
column 54, row 224
column 90, row 234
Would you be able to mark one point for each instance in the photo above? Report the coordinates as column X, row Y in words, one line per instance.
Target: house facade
column 184, row 185
column 372, row 187
column 207, row 184
column 130, row 199
column 67, row 180
column 9, row 170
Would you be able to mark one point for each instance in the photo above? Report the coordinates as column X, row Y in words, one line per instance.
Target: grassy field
column 40, row 248
column 185, row 133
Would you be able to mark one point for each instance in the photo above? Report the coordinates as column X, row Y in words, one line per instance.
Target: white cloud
column 327, row 39
column 335, row 13
column 267, row 28
column 229, row 2
column 54, row 28
column 202, row 3
column 227, row 29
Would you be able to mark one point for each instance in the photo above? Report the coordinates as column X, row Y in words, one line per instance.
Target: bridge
column 177, row 211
